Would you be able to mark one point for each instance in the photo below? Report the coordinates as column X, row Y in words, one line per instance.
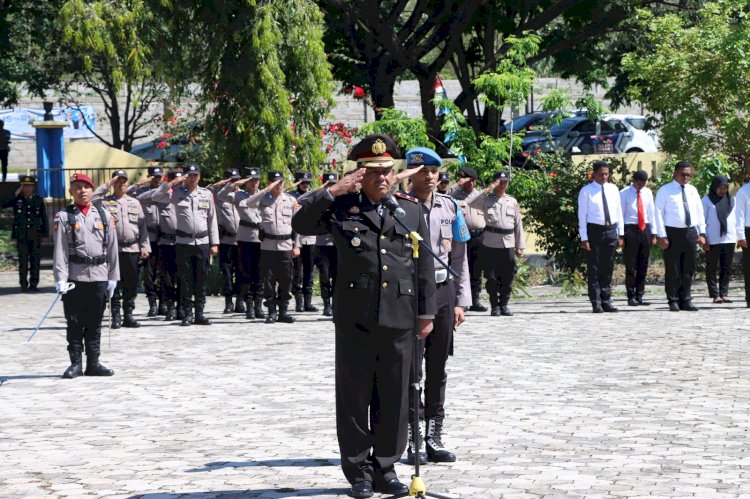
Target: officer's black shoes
column 24, row 288
column 162, row 308
column 674, row 307
column 392, row 486
column 228, row 305
column 33, row 289
column 411, row 452
column 327, row 310
column 495, row 312
column 309, row 307
column 187, row 320
column 505, row 311
column 689, row 307
column 643, row 302
column 436, row 453
column 477, row 307
column 239, row 307
column 153, row 309
column 171, row 313
column 259, row 314
column 76, row 368
column 249, row 312
column 597, row 309
column 284, row 314
column 94, row 368
column 271, row 317
column 116, row 321
column 130, row 322
column 202, row 320
column 632, row 302
column 362, row 489
column 608, row 307
column 299, row 305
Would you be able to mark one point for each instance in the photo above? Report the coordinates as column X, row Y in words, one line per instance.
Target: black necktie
column 607, row 220
column 686, row 207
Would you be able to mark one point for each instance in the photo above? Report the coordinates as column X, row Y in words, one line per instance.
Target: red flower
column 348, row 90
column 162, row 145
column 553, row 174
column 333, row 163
column 359, row 93
column 166, row 135
column 329, row 148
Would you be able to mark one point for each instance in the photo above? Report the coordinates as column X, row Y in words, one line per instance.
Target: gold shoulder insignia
column 403, row 195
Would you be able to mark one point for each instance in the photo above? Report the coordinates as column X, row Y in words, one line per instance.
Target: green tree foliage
column 408, row 132
column 695, row 74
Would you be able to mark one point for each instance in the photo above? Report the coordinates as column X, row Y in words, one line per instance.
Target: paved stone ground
column 553, row 402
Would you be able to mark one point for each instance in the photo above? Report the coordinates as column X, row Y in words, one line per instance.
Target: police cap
column 232, row 174
column 502, row 175
column 375, row 151
column 174, row 173
column 28, row 180
column 467, row 171
column 443, row 177
column 155, row 171
column 275, row 175
column 193, row 169
column 251, row 173
column 329, row 177
column 303, row 176
column 121, row 174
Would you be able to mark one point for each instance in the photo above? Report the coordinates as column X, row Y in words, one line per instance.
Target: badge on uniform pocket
column 78, row 226
column 100, row 226
column 356, row 241
column 203, row 204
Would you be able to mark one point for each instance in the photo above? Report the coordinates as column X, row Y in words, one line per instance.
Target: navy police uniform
column 303, row 265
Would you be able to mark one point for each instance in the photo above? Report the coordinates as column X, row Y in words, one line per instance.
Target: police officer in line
column 197, row 239
column 248, row 241
column 29, row 229
column 229, row 222
column 375, row 311
column 302, row 281
column 440, row 211
column 86, row 272
column 132, row 242
column 326, row 259
column 156, row 302
column 639, row 217
column 503, row 240
column 443, row 181
column 279, row 245
column 464, row 188
column 166, row 243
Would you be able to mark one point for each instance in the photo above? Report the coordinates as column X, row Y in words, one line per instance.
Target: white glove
column 111, row 285
column 63, row 287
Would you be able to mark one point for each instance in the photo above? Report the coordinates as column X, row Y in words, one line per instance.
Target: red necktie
column 641, row 214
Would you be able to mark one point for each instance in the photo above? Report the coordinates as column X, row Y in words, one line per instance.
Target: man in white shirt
column 681, row 227
column 640, row 234
column 742, row 199
column 601, row 227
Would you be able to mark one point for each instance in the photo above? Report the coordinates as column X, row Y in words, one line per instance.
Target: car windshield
column 524, row 120
column 562, row 128
column 639, row 123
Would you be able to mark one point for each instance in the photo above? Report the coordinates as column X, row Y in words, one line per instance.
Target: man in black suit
column 375, row 311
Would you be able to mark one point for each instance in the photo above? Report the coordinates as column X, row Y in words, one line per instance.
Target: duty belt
column 276, row 237
column 252, row 225
column 197, row 235
column 127, row 242
column 499, row 231
column 153, row 228
column 167, row 236
column 225, row 232
column 476, row 232
column 88, row 260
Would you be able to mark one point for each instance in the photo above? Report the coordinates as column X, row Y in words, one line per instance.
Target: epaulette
column 403, row 195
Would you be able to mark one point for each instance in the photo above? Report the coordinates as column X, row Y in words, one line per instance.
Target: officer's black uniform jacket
column 29, row 217
column 374, row 284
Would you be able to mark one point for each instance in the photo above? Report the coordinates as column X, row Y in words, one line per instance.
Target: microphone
column 392, row 206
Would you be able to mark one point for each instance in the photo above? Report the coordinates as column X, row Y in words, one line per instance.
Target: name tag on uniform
column 203, row 204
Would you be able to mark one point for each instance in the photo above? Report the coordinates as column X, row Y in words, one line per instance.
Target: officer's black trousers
column 4, row 162
column 250, row 276
column 600, row 262
column 84, row 309
column 719, row 259
column 192, row 272
column 636, row 253
column 366, row 359
column 474, row 250
column 326, row 260
column 746, row 265
column 127, row 286
column 303, row 271
column 150, row 273
column 679, row 260
column 168, row 272
column 277, row 271
column 229, row 267
column 499, row 266
column 28, row 262
column 436, row 350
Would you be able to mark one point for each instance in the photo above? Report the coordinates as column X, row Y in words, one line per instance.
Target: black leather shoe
column 73, row 371
column 689, row 307
column 505, row 311
column 478, row 307
column 187, row 320
column 596, row 308
column 674, row 307
column 116, row 321
column 608, row 307
column 130, row 322
column 239, row 307
column 392, row 486
column 495, row 312
column 362, row 489
column 202, row 320
column 643, row 302
column 96, row 369
column 632, row 302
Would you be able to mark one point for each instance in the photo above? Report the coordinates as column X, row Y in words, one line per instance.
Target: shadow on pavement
column 270, row 463
column 218, row 494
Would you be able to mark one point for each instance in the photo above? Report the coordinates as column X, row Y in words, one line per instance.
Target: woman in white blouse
column 721, row 237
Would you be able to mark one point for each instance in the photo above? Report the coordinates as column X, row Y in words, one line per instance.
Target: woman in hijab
column 721, row 238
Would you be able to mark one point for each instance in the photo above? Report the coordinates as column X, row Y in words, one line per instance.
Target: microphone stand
column 417, row 487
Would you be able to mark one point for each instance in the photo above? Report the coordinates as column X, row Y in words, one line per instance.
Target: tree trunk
column 426, row 96
column 114, row 122
column 382, row 85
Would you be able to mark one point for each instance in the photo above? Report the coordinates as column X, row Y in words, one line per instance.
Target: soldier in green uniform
column 29, row 228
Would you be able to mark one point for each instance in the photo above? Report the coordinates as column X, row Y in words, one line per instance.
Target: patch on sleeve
column 403, row 195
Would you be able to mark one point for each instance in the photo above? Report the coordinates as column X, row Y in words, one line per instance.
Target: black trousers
column 84, row 309
column 326, row 260
column 435, row 351
column 229, row 267
column 28, row 262
column 127, row 286
column 249, row 263
column 474, row 250
column 746, row 266
column 192, row 273
column 499, row 266
column 719, row 259
column 679, row 260
column 4, row 162
column 600, row 262
column 277, row 276
column 368, row 359
column 637, row 250
column 168, row 272
column 151, row 274
column 302, row 283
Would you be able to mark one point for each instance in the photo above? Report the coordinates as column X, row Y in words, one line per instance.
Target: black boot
column 228, row 305
column 187, row 316
column 239, row 306
column 76, row 366
column 116, row 318
column 259, row 314
column 495, row 304
column 200, row 318
column 153, row 309
column 94, row 368
column 271, row 317
column 179, row 313
column 249, row 312
column 171, row 313
column 327, row 310
column 433, row 441
column 411, row 449
column 299, row 305
column 129, row 320
column 284, row 313
column 504, row 310
column 162, row 307
column 476, row 305
column 309, row 307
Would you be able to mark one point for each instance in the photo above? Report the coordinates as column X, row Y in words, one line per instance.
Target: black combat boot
column 299, row 305
column 93, row 367
column 284, row 313
column 495, row 304
column 259, row 314
column 327, row 310
column 171, row 313
column 116, row 317
column 476, row 305
column 249, row 312
column 187, row 316
column 433, row 441
column 309, row 307
column 411, row 450
column 228, row 305
column 76, row 366
column 153, row 309
column 200, row 317
column 504, row 310
column 129, row 320
column 162, row 307
column 239, row 306
column 271, row 317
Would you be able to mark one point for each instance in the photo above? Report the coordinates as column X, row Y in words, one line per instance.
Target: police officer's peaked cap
column 192, row 169
column 121, row 174
column 443, row 177
column 330, row 177
column 174, row 173
column 275, row 175
column 232, row 173
column 155, row 171
column 375, row 151
column 419, row 156
column 467, row 171
column 640, row 175
column 82, row 177
column 251, row 173
column 28, row 180
column 502, row 175
column 303, row 176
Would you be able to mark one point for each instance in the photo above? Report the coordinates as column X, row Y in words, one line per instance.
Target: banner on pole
column 18, row 121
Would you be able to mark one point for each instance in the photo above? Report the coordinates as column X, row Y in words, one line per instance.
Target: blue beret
column 419, row 156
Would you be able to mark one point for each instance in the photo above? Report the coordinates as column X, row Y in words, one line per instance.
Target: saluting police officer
column 302, row 281
column 229, row 221
column 375, row 311
column 86, row 271
column 197, row 239
column 156, row 302
column 452, row 294
column 248, row 241
column 29, row 229
column 503, row 240
column 443, row 181
column 132, row 242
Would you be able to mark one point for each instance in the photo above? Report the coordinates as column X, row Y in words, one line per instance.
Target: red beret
column 82, row 177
